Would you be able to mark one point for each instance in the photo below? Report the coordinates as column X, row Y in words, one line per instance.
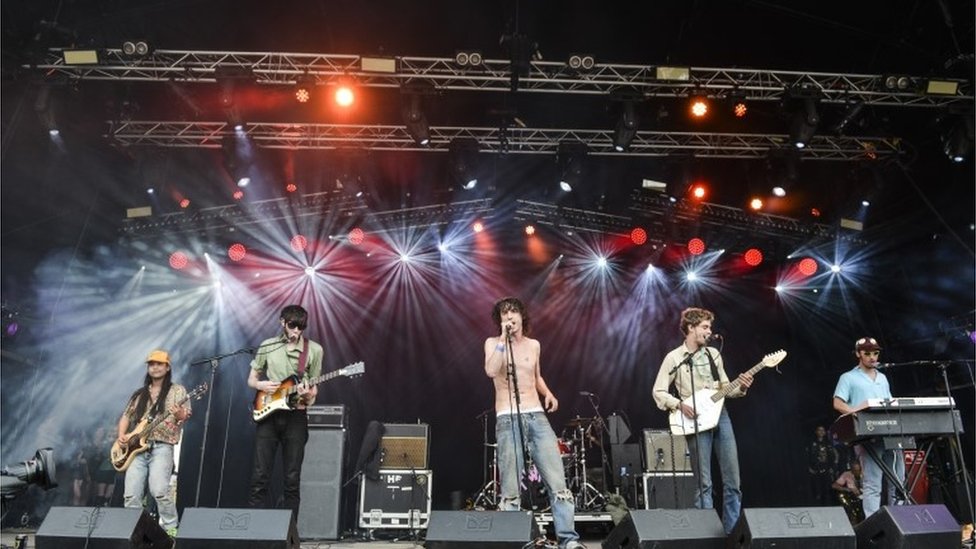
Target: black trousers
column 289, row 430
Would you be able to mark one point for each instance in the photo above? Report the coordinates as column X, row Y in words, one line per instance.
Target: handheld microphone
column 508, row 329
column 715, row 336
column 586, row 393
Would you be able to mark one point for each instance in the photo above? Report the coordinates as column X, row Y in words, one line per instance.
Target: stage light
column 135, row 48
column 691, row 276
column 753, row 257
column 699, row 107
column 462, row 161
column 626, row 128
column 570, row 157
column 807, row 266
column 39, row 470
column 958, row 141
column 309, row 271
column 291, row 187
column 815, row 212
column 150, row 190
column 356, row 236
column 696, row 246
column 865, row 203
column 740, row 109
column 468, row 58
column 698, row 191
column 404, row 258
column 178, row 260
column 578, row 61
column 303, row 88
column 779, row 191
column 601, row 262
column 236, row 251
column 54, row 132
column 243, row 182
column 238, row 195
column 443, row 247
column 804, row 124
column 756, row 204
column 835, row 268
column 302, row 95
column 414, row 118
column 185, row 203
column 298, row 243
column 344, row 95
column 530, row 230
column 478, row 226
column 638, row 236
column 239, row 128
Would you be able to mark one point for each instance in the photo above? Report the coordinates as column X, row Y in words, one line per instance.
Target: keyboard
column 890, row 421
column 916, row 403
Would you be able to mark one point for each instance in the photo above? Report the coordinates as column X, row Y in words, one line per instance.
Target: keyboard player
column 851, row 395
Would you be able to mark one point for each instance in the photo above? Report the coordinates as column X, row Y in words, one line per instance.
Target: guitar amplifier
column 658, row 452
column 399, row 499
column 327, row 417
column 405, row 446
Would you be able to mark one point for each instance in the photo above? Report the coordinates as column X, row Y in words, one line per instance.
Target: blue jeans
column 872, row 475
column 722, row 440
column 156, row 463
column 545, row 453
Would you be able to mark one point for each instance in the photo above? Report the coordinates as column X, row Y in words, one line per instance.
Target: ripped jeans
column 545, row 453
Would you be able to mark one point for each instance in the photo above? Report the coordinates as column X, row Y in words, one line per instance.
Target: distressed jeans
column 722, row 440
column 545, row 453
column 156, row 463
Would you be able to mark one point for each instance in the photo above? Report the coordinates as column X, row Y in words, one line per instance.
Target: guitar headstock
column 772, row 359
column 198, row 391
column 352, row 370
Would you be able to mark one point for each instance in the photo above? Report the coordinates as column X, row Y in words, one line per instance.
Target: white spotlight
column 243, row 182
column 405, row 258
column 865, row 203
column 650, row 268
column 472, row 183
column 691, row 276
column 309, row 271
column 150, row 190
column 565, row 186
column 54, row 132
column 778, row 288
column 602, row 262
column 835, row 268
column 442, row 247
column 779, row 191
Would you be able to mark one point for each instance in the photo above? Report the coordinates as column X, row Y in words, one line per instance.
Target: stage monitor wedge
column 481, row 530
column 668, row 529
column 793, row 527
column 204, row 528
column 100, row 528
column 909, row 527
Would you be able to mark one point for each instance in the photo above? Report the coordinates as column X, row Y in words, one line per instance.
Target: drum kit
column 581, row 441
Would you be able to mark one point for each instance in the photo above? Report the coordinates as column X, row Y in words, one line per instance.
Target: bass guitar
column 122, row 455
column 710, row 401
column 283, row 398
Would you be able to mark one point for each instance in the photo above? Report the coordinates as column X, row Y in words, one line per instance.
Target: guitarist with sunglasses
column 158, row 397
column 709, row 373
column 278, row 358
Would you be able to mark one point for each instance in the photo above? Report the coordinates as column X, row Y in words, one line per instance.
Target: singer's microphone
column 508, row 329
column 715, row 336
column 586, row 393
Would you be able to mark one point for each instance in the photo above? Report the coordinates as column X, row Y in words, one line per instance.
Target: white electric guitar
column 710, row 401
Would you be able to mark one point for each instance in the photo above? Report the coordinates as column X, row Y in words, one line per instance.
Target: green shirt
column 277, row 363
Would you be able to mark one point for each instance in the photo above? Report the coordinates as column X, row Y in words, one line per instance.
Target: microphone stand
column 956, row 428
column 605, row 465
column 519, row 427
column 694, row 404
column 213, row 361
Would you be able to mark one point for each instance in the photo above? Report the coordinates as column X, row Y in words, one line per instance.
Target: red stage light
column 344, row 96
column 185, row 203
column 753, row 257
column 807, row 266
column 814, row 212
column 178, row 260
column 529, row 230
column 740, row 109
column 236, row 251
column 699, row 107
column 696, row 246
column 238, row 195
column 638, row 236
column 698, row 191
column 291, row 187
column 478, row 226
column 298, row 242
column 302, row 95
column 357, row 236
column 756, row 204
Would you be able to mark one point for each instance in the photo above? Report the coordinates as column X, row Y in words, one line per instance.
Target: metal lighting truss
column 279, row 68
column 566, row 218
column 502, row 140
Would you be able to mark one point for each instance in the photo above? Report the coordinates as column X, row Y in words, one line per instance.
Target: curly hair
column 693, row 316
column 507, row 304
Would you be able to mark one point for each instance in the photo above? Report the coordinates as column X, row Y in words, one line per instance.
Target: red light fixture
column 807, row 266
column 696, row 246
column 740, row 109
column 298, row 243
column 698, row 191
column 344, row 95
column 236, row 251
column 238, row 195
column 291, row 187
column 756, row 204
column 178, row 260
column 185, row 203
column 302, row 95
column 356, row 236
column 638, row 236
column 753, row 257
column 478, row 226
column 530, row 230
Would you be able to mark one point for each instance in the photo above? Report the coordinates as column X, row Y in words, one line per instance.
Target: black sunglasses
column 291, row 324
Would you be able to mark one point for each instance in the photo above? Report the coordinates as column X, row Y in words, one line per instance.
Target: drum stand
column 488, row 497
column 588, row 498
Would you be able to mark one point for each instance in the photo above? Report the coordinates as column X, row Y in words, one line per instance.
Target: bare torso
column 526, row 354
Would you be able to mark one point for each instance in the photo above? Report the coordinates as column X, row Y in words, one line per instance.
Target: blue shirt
column 854, row 387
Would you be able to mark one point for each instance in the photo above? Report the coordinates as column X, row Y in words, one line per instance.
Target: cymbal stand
column 587, row 496
column 487, row 498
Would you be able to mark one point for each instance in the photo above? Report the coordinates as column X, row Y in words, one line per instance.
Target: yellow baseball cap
column 158, row 356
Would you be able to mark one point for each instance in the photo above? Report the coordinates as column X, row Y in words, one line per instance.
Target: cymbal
column 491, row 444
column 581, row 421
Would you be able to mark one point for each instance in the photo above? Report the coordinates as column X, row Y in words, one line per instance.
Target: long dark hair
column 142, row 394
column 507, row 304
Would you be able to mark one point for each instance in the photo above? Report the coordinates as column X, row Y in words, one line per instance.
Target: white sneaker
column 574, row 545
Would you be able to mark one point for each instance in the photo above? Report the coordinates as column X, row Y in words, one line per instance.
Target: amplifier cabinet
column 665, row 453
column 399, row 499
column 405, row 446
column 669, row 491
column 331, row 416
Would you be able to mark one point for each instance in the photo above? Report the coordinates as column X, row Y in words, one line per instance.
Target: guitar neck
column 733, row 385
column 316, row 380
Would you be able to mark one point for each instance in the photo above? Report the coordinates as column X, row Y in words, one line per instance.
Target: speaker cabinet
column 100, row 528
column 670, row 491
column 480, row 529
column 318, row 512
column 666, row 453
column 793, row 527
column 909, row 527
column 667, row 529
column 203, row 528
column 404, row 445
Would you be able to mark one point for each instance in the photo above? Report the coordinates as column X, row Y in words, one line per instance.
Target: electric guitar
column 710, row 401
column 266, row 403
column 122, row 455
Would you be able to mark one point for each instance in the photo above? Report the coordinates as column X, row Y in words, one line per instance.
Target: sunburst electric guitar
column 284, row 397
column 122, row 455
column 710, row 401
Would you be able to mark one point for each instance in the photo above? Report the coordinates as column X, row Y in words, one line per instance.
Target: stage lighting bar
column 514, row 140
column 577, row 219
column 495, row 75
column 462, row 211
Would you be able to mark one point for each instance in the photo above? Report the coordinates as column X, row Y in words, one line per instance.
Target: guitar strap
column 711, row 362
column 302, row 358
